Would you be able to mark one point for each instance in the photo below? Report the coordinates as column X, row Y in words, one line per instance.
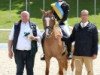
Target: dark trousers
column 22, row 59
column 68, row 44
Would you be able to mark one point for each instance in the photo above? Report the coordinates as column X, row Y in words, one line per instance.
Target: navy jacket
column 86, row 40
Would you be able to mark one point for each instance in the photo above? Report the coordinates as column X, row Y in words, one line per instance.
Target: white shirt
column 84, row 24
column 23, row 42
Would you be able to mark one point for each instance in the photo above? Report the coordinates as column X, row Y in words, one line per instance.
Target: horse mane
column 57, row 32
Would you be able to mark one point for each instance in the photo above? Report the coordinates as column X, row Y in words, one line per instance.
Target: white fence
column 5, row 29
column 10, row 29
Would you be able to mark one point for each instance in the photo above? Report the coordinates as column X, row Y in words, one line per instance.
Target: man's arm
column 39, row 35
column 95, row 42
column 71, row 38
column 10, row 43
column 65, row 7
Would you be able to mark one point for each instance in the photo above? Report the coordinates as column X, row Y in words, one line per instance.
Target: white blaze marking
column 47, row 32
column 47, row 21
column 47, row 24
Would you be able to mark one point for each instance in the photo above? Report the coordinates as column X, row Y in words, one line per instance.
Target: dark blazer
column 86, row 40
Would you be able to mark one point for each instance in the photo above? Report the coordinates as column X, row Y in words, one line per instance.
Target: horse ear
column 51, row 11
column 43, row 11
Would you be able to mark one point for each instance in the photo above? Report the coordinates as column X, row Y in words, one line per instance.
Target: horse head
column 48, row 22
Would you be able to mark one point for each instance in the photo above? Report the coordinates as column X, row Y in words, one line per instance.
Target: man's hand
column 10, row 54
column 94, row 56
column 10, row 51
column 31, row 37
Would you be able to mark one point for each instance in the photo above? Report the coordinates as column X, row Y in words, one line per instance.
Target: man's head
column 84, row 15
column 25, row 16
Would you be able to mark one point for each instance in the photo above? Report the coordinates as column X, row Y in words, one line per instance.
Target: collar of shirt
column 84, row 24
column 27, row 23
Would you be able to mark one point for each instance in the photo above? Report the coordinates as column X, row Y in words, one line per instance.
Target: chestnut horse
column 53, row 46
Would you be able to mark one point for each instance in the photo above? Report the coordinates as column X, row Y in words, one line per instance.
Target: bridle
column 48, row 26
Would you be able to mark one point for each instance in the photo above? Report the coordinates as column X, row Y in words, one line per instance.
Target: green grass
column 4, row 36
column 7, row 18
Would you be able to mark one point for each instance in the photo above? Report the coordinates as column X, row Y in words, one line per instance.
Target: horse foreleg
column 47, row 67
column 65, row 66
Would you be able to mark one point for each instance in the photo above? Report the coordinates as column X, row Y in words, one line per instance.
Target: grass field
column 8, row 18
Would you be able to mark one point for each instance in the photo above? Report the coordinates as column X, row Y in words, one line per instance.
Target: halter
column 50, row 27
column 50, row 30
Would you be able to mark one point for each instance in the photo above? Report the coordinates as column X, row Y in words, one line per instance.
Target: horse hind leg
column 60, row 67
column 60, row 70
column 65, row 69
column 63, row 65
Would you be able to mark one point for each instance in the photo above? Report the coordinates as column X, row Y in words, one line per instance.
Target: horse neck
column 56, row 32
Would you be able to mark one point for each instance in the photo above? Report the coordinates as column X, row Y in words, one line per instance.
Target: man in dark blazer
column 85, row 36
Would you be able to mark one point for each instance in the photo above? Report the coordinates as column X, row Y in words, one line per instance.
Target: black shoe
column 43, row 58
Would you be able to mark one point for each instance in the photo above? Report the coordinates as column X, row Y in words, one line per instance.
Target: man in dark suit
column 85, row 36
